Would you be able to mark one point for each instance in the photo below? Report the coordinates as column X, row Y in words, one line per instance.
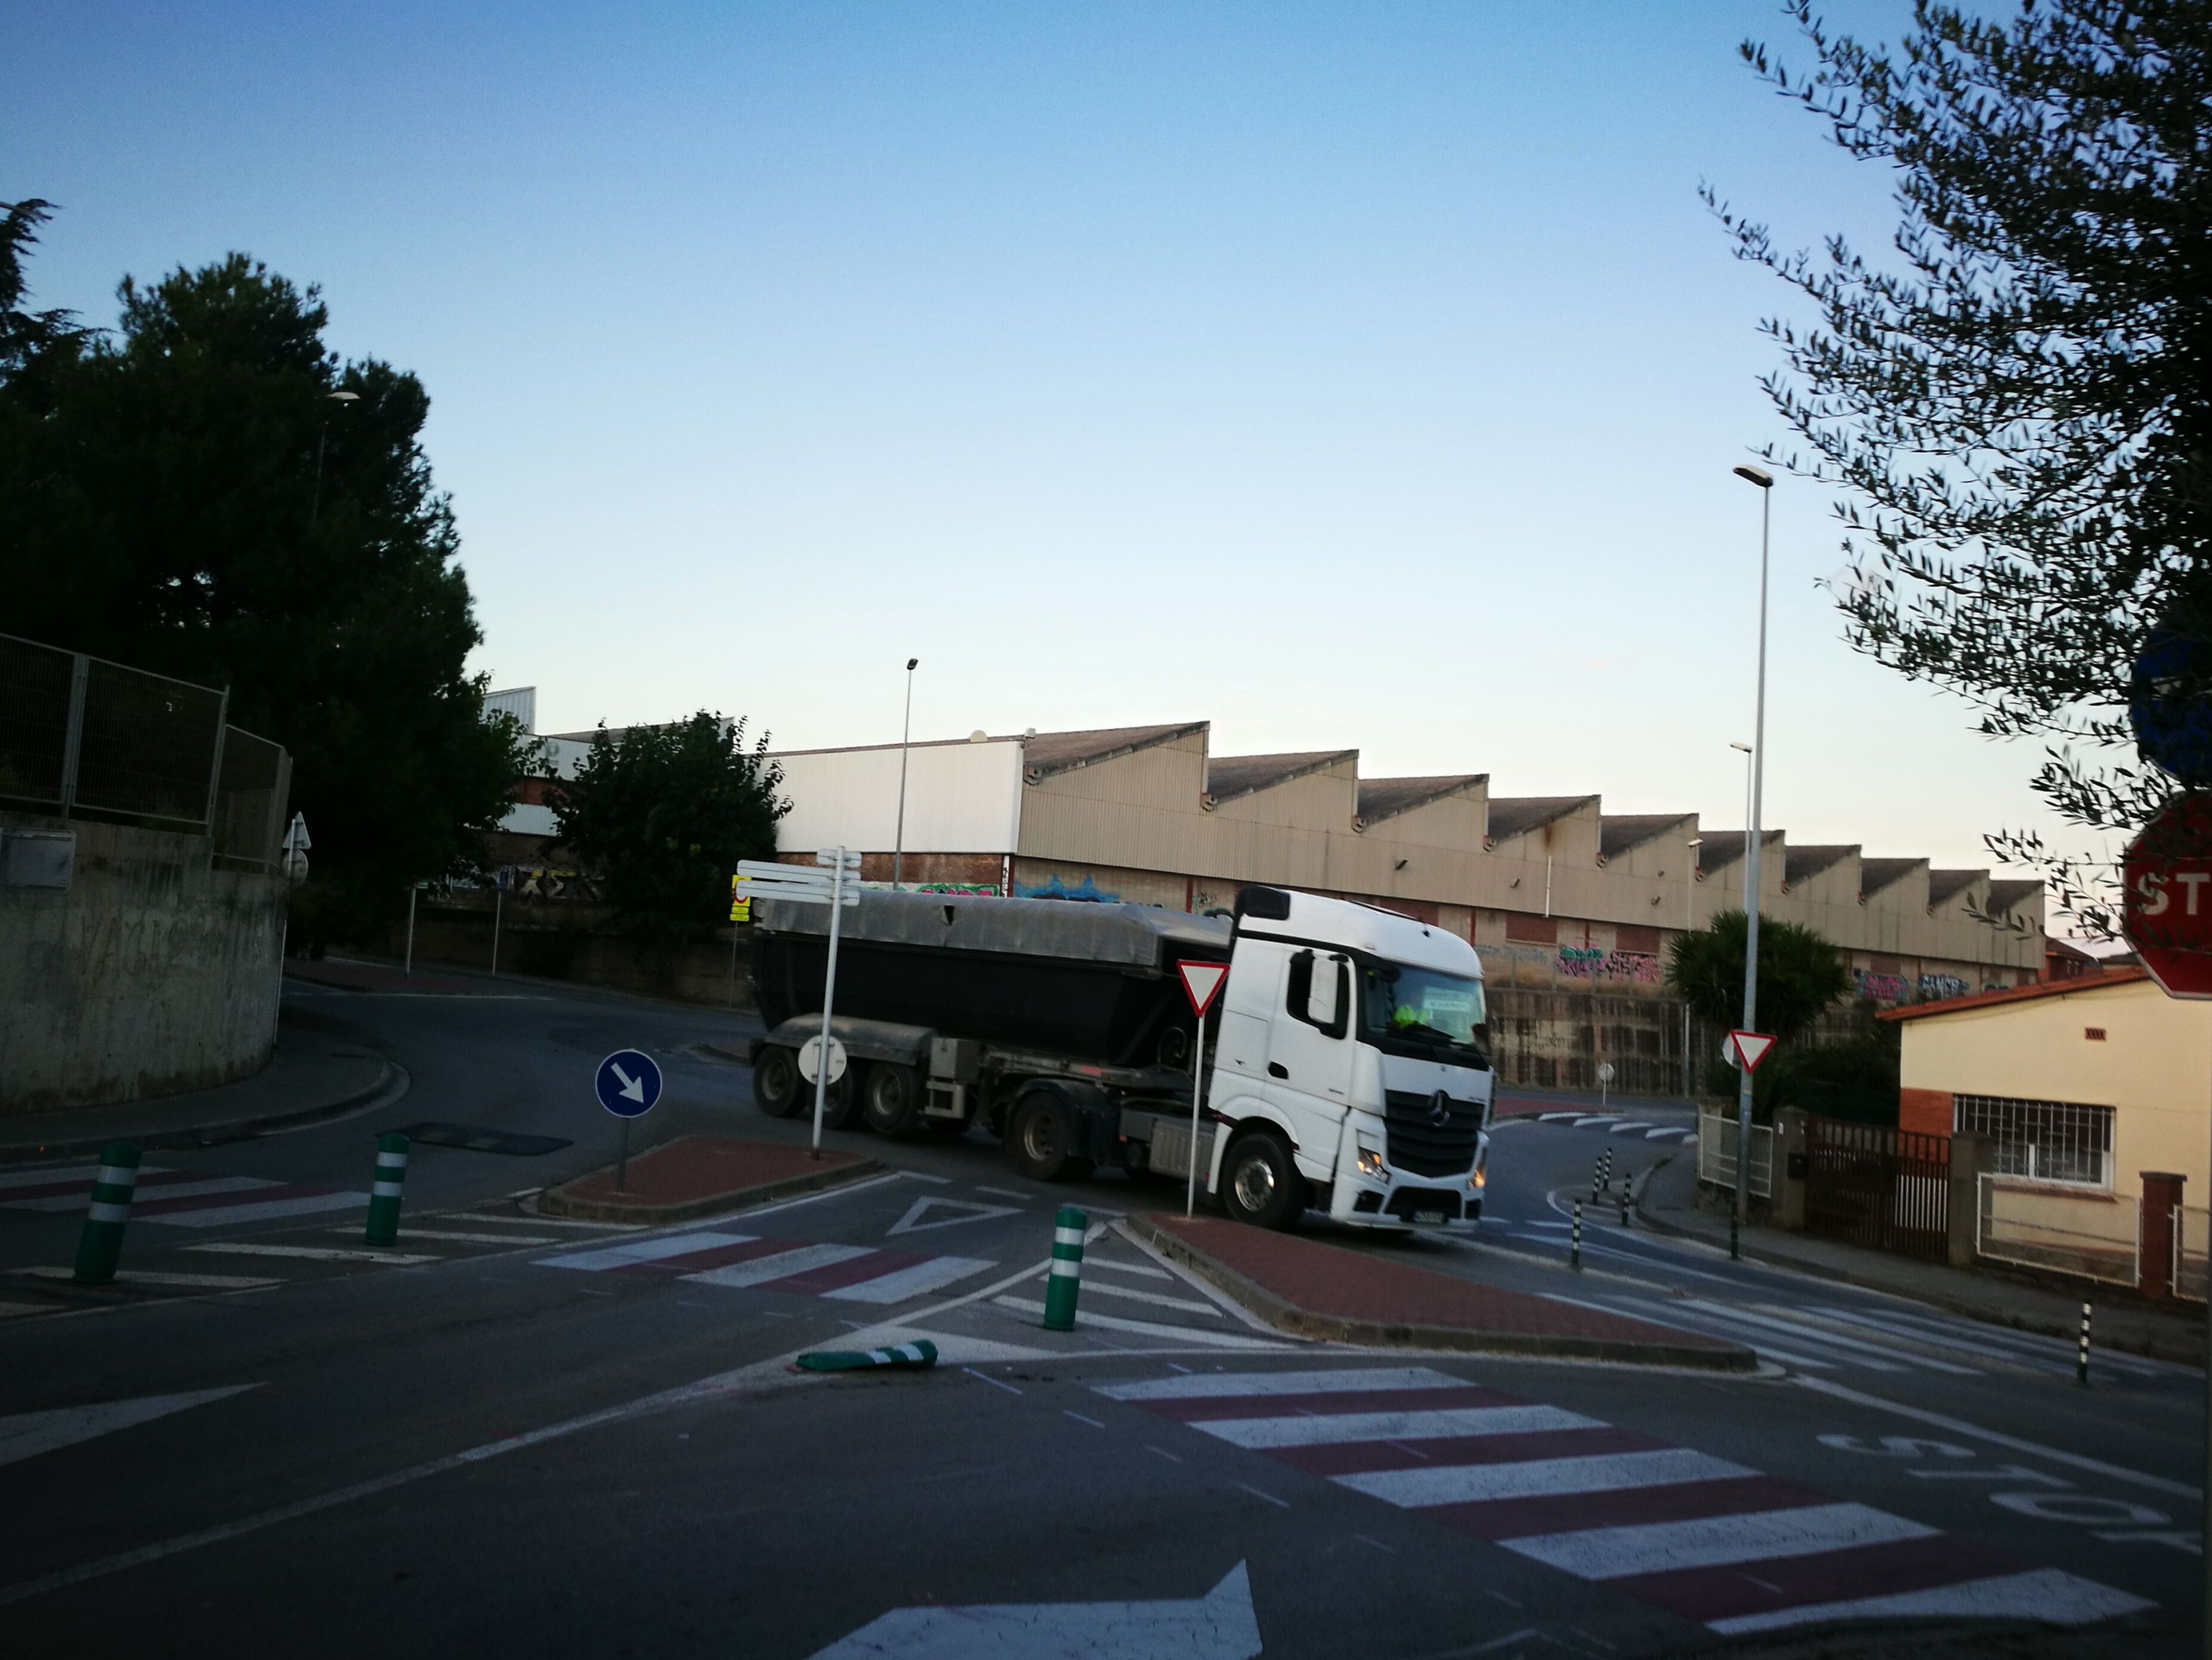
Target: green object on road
column 920, row 1353
column 1066, row 1276
column 384, row 1192
column 99, row 1247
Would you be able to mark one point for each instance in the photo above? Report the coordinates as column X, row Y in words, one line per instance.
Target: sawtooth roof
column 1804, row 863
column 1950, row 884
column 1876, row 874
column 1386, row 798
column 1616, row 832
column 1516, row 815
column 1046, row 753
column 1230, row 776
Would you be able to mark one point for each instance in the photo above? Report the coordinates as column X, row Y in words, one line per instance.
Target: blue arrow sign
column 628, row 1083
column 2168, row 707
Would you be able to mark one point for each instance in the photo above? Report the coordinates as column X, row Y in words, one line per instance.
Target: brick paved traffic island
column 1310, row 1289
column 696, row 1176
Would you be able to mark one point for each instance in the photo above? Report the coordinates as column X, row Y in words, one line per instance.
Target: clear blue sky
column 1353, row 375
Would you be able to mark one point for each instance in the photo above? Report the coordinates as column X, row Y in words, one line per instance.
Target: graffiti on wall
column 1589, row 963
column 1055, row 889
column 1933, row 986
column 1882, row 988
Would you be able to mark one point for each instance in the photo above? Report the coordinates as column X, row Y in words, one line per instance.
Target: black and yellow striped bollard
column 384, row 1192
column 1066, row 1277
column 99, row 1247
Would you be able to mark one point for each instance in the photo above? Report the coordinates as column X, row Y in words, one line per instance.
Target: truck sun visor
column 1269, row 904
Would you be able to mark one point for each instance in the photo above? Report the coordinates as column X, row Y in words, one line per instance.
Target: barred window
column 2042, row 1141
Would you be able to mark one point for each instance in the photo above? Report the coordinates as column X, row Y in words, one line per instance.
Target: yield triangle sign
column 1750, row 1048
column 1200, row 981
column 961, row 1209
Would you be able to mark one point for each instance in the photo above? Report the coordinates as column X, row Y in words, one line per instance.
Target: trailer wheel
column 892, row 1099
column 840, row 1102
column 775, row 1083
column 1261, row 1183
column 1040, row 1136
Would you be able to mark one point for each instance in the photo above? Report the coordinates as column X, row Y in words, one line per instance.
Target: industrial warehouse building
column 1571, row 907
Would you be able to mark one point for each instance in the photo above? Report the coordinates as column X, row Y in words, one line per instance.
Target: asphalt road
column 521, row 1433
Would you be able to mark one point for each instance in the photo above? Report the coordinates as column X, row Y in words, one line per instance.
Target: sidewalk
column 1668, row 1204
column 696, row 1176
column 315, row 1073
column 1314, row 1289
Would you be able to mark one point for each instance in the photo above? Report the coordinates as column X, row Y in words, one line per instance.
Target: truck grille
column 1419, row 1145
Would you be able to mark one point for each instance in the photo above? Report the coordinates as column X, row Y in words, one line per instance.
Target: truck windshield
column 1421, row 1005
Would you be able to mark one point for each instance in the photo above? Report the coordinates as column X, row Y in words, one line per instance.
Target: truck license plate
column 1435, row 1216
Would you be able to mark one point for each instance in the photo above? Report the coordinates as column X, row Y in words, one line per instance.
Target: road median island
column 1309, row 1289
column 696, row 1176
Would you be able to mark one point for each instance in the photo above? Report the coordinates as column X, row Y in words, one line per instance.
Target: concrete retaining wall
column 532, row 942
column 152, row 972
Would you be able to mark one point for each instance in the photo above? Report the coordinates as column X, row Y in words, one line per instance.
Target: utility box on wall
column 37, row 859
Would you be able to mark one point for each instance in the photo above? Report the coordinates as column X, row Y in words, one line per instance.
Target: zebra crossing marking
column 850, row 1273
column 175, row 1198
column 1671, row 1526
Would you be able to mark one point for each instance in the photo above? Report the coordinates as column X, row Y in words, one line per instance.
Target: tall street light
column 343, row 400
column 1765, row 481
column 906, row 733
column 1689, row 922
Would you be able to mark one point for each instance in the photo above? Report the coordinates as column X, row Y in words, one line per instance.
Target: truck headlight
column 1371, row 1162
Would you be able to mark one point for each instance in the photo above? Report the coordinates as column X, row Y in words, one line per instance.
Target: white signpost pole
column 1197, row 1092
column 828, row 994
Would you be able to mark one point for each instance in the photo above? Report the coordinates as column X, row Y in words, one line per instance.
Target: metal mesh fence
column 81, row 737
column 35, row 721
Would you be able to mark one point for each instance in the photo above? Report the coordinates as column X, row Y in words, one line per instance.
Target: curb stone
column 1287, row 1317
column 232, row 1129
column 559, row 1201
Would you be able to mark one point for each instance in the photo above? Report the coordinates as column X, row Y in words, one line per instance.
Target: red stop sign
column 2166, row 903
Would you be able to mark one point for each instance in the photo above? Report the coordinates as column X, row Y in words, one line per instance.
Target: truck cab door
column 1310, row 1049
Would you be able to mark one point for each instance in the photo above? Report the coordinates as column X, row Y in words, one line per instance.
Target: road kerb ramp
column 1305, row 1288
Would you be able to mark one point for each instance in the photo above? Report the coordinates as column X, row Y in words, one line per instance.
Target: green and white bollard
column 99, row 1247
column 384, row 1192
column 1066, row 1276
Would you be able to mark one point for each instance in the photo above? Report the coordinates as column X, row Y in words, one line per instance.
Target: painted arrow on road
column 1219, row 1626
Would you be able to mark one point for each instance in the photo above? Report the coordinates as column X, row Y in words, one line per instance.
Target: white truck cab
column 1349, row 1073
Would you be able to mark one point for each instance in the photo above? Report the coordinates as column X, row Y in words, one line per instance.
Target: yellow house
column 2088, row 1083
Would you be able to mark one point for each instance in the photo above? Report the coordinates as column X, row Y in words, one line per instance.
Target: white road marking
column 1715, row 1540
column 1194, row 1336
column 28, row 1434
column 1797, row 1331
column 1091, row 1263
column 221, row 1216
column 469, row 1238
column 1960, row 1427
column 964, row 1210
column 2049, row 1595
column 145, row 1277
column 917, row 1280
column 315, row 1253
column 52, row 1173
column 781, row 1265
column 535, row 1221
column 76, row 1202
column 1220, row 1625
column 1210, row 1386
column 1462, row 1484
column 1337, row 1429
column 1100, row 1288
column 644, row 1250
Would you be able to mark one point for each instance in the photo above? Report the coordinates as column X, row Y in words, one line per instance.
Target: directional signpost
column 834, row 880
column 628, row 1083
column 1201, row 983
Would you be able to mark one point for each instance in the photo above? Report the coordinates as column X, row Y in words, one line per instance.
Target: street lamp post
column 906, row 733
column 343, row 399
column 1689, row 922
column 1765, row 481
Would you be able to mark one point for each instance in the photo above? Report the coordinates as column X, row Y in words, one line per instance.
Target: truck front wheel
column 1042, row 1137
column 775, row 1083
column 1261, row 1183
